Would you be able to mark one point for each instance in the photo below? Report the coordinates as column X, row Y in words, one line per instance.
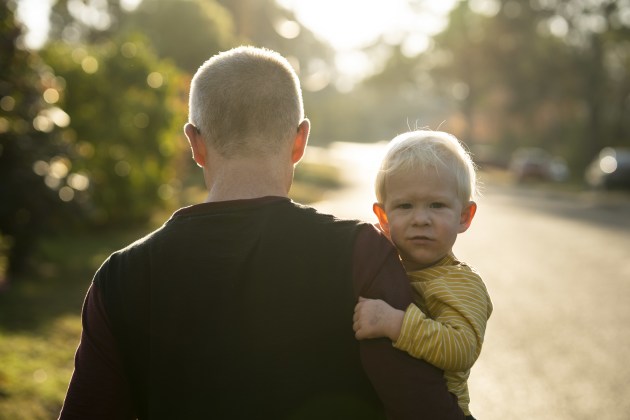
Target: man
column 241, row 307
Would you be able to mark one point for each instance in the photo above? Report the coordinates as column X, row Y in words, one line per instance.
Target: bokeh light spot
column 460, row 91
column 141, row 120
column 78, row 54
column 4, row 125
column 66, row 194
column 155, row 80
column 85, row 149
column 128, row 49
column 59, row 167
column 78, row 181
column 41, row 168
column 58, row 116
column 7, row 103
column 608, row 164
column 52, row 182
column 89, row 65
column 122, row 168
column 288, row 29
column 40, row 376
column 43, row 123
column 166, row 192
column 51, row 96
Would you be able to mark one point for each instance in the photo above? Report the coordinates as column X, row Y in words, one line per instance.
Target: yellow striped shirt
column 447, row 325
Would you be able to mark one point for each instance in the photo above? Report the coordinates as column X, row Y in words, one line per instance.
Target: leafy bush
column 126, row 109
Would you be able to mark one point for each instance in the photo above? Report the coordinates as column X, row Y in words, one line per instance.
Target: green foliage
column 504, row 64
column 188, row 32
column 395, row 100
column 533, row 75
column 320, row 174
column 29, row 133
column 554, row 75
column 127, row 109
column 259, row 22
column 90, row 134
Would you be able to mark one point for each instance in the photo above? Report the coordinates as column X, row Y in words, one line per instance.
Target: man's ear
column 467, row 215
column 300, row 141
column 379, row 211
column 197, row 144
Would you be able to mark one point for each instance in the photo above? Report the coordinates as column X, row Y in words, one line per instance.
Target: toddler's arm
column 451, row 341
column 450, row 335
column 374, row 318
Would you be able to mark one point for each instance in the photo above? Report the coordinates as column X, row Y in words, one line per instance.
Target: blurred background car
column 536, row 164
column 610, row 169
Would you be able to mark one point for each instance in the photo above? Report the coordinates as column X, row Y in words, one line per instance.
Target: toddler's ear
column 467, row 215
column 379, row 211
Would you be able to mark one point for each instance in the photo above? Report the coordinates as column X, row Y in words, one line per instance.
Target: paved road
column 557, row 266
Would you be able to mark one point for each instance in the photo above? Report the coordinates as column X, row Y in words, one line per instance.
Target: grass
column 40, row 324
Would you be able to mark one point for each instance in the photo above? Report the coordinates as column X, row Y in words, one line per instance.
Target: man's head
column 424, row 189
column 246, row 102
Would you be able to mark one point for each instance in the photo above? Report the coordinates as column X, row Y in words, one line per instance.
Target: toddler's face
column 424, row 215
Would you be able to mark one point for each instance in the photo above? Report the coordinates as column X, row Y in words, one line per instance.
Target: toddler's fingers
column 358, row 334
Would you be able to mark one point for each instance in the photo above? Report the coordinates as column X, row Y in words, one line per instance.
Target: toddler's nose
column 421, row 217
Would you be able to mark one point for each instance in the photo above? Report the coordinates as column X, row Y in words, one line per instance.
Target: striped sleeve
column 458, row 306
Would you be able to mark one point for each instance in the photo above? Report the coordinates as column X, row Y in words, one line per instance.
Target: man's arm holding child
column 451, row 339
column 409, row 388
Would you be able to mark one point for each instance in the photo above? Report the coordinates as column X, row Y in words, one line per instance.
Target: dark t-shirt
column 224, row 329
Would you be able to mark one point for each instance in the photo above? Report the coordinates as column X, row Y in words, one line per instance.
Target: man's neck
column 241, row 180
column 228, row 194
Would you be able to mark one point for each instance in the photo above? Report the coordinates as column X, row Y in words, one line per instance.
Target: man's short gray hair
column 246, row 101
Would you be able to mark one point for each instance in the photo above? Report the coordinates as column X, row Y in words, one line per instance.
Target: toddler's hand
column 374, row 318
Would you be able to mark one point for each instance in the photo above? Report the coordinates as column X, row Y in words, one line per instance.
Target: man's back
column 242, row 307
column 240, row 311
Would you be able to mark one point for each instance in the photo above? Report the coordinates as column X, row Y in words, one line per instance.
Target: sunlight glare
column 353, row 24
column 34, row 14
column 130, row 5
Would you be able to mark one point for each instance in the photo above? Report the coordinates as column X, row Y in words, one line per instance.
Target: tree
column 506, row 68
column 552, row 74
column 85, row 21
column 266, row 24
column 31, row 148
column 127, row 109
column 187, row 32
column 599, row 32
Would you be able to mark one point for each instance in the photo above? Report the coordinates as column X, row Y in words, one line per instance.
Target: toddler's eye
column 404, row 206
column 437, row 205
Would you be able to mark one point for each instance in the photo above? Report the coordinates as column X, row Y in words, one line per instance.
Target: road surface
column 557, row 266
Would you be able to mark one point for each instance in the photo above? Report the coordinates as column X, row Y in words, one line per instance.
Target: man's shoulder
column 126, row 258
column 137, row 246
column 311, row 212
column 309, row 220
